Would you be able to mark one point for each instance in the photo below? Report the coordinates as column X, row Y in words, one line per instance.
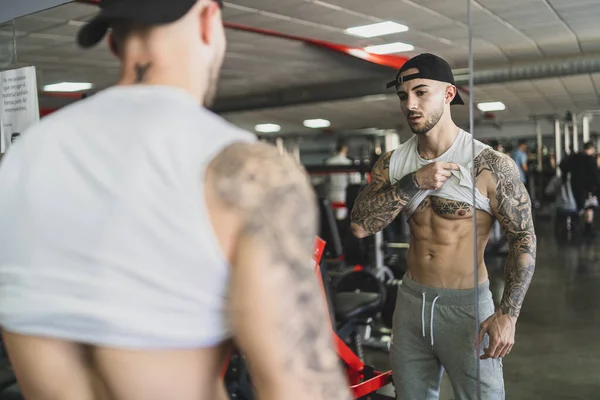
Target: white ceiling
column 505, row 32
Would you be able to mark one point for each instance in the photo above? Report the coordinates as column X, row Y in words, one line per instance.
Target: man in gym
column 338, row 182
column 429, row 178
column 581, row 170
column 519, row 155
column 141, row 234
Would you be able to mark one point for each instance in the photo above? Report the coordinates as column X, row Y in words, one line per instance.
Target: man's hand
column 501, row 330
column 434, row 175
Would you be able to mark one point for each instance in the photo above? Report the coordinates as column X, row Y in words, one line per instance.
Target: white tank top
column 104, row 232
column 406, row 159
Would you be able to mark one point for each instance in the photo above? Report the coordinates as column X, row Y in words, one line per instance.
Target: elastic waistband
column 451, row 297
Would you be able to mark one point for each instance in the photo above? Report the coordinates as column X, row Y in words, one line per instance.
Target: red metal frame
column 355, row 368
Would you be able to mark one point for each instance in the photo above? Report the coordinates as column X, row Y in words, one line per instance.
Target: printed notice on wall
column 19, row 108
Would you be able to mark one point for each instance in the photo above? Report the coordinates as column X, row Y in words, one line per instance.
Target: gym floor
column 557, row 352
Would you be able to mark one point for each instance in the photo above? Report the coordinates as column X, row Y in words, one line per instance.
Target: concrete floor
column 557, row 349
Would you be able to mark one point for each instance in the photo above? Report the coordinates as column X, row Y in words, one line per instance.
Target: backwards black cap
column 430, row 67
column 151, row 12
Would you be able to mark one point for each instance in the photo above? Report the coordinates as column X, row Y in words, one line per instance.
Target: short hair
column 588, row 145
column 340, row 144
column 123, row 29
column 522, row 142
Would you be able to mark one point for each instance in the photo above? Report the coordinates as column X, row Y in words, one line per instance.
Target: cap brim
column 93, row 32
column 457, row 100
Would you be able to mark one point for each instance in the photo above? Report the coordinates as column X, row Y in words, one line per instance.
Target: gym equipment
column 358, row 281
column 333, row 249
column 358, row 296
column 12, row 392
column 364, row 380
column 237, row 378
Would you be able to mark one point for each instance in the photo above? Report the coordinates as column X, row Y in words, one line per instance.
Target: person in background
column 585, row 181
column 519, row 155
column 497, row 146
column 338, row 182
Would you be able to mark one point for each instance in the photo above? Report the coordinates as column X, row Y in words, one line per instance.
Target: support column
column 392, row 140
column 575, row 135
column 538, row 131
column 379, row 251
column 567, row 140
column 296, row 150
column 557, row 146
column 279, row 144
column 586, row 129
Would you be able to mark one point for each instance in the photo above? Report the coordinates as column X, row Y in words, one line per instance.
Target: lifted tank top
column 406, row 159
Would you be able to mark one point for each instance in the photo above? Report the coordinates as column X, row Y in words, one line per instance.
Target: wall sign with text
column 19, row 107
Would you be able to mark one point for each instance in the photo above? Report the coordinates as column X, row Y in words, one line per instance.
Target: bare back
column 264, row 217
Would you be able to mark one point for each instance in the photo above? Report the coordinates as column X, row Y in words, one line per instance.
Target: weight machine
column 364, row 380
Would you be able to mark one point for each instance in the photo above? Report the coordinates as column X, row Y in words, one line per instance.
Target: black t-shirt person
column 585, row 176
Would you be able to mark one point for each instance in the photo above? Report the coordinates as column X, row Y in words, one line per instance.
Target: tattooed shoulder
column 381, row 169
column 486, row 160
column 270, row 189
column 277, row 204
column 505, row 179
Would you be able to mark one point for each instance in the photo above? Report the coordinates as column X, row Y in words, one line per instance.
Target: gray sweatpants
column 433, row 330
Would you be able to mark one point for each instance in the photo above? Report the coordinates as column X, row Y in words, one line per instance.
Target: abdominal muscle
column 441, row 249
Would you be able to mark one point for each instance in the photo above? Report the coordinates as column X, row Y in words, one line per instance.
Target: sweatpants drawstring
column 431, row 323
column 423, row 315
column 431, row 319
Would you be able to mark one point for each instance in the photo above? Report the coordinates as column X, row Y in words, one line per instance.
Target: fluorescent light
column 491, row 106
column 267, row 128
column 396, row 47
column 379, row 29
column 73, row 22
column 68, row 87
column 317, row 123
column 375, row 97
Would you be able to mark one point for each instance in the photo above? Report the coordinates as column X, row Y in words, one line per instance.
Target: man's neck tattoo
column 141, row 71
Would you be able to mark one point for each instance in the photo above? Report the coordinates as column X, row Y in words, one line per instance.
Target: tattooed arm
column 277, row 310
column 512, row 207
column 380, row 202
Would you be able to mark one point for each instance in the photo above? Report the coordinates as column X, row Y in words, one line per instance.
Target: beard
column 425, row 124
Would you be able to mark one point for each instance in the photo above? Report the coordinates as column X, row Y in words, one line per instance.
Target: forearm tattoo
column 380, row 202
column 407, row 188
column 513, row 211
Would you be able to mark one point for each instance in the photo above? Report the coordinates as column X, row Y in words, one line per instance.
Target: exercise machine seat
column 358, row 295
column 360, row 305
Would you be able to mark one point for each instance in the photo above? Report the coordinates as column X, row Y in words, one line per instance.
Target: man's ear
column 208, row 17
column 450, row 93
